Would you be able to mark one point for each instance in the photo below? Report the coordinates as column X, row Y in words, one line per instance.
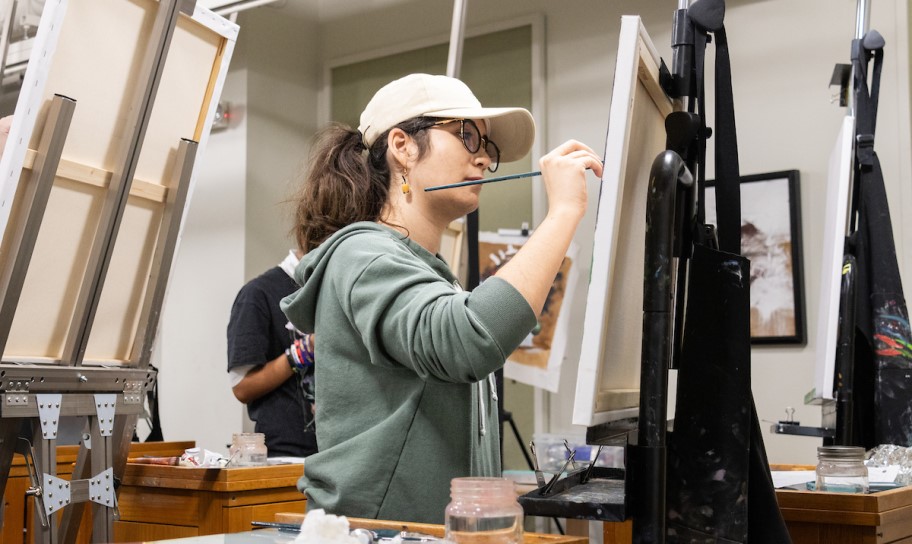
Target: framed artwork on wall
column 771, row 239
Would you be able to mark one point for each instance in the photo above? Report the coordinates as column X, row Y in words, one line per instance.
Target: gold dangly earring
column 405, row 184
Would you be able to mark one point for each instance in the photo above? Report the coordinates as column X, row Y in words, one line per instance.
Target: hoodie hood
column 301, row 306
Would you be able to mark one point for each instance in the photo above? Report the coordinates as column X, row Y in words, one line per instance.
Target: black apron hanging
column 719, row 486
column 883, row 352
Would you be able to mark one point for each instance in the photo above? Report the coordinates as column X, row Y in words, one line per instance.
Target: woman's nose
column 481, row 158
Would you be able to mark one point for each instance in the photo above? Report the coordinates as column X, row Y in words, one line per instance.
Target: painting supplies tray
column 600, row 497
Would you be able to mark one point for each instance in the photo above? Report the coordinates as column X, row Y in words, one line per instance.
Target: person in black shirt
column 271, row 363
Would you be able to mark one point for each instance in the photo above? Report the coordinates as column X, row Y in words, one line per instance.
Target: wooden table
column 430, row 529
column 18, row 513
column 814, row 517
column 161, row 502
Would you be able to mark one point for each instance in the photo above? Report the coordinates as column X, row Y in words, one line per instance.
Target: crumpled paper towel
column 887, row 455
column 198, row 457
column 322, row 528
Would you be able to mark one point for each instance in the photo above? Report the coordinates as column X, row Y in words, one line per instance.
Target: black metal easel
column 671, row 488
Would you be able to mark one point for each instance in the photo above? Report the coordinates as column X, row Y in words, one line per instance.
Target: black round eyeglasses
column 473, row 140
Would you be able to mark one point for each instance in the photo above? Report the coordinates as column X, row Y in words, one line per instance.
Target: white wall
column 195, row 397
column 783, row 53
column 282, row 112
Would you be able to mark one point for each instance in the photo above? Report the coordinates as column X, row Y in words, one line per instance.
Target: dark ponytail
column 343, row 184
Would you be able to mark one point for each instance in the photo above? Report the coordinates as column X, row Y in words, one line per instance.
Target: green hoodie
column 403, row 374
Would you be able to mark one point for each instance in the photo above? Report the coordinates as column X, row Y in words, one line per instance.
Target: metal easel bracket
column 56, row 493
column 101, row 489
column 784, row 427
column 133, row 392
column 49, row 414
column 17, row 393
column 105, row 406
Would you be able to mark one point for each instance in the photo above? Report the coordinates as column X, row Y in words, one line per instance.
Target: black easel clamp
column 864, row 149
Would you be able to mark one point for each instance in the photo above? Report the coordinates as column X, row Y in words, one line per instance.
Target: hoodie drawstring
column 482, row 413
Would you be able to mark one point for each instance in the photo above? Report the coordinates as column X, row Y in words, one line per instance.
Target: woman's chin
column 463, row 208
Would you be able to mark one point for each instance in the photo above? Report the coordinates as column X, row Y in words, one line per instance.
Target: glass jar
column 247, row 450
column 483, row 511
column 841, row 469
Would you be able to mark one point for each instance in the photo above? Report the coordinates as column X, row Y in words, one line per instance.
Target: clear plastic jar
column 841, row 469
column 483, row 511
column 248, row 450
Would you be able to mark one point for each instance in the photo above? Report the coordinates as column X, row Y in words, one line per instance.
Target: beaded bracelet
column 300, row 354
column 307, row 349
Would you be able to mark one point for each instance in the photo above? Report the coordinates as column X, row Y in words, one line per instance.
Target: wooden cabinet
column 160, row 502
column 843, row 518
column 18, row 512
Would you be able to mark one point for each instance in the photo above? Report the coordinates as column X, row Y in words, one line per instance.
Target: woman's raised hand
column 564, row 174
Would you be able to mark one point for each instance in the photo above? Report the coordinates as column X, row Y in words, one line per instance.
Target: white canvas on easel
column 90, row 51
column 607, row 386
column 839, row 178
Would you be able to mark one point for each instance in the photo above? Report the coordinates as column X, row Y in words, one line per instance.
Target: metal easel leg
column 9, row 429
column 72, row 516
column 44, row 446
column 101, row 458
column 164, row 252
column 34, row 202
column 646, row 485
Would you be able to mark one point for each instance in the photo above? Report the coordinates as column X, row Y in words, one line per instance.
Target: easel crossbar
column 70, row 405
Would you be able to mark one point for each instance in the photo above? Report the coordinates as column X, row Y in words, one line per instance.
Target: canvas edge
column 837, row 200
column 598, row 297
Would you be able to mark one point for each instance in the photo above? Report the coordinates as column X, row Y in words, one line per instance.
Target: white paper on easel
column 839, row 179
column 537, row 361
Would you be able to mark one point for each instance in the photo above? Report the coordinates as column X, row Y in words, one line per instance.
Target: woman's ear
column 402, row 147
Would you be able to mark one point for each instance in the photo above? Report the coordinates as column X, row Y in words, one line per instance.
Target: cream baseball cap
column 424, row 95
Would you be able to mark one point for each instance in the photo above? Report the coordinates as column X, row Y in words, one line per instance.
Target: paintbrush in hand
column 481, row 181
column 488, row 180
